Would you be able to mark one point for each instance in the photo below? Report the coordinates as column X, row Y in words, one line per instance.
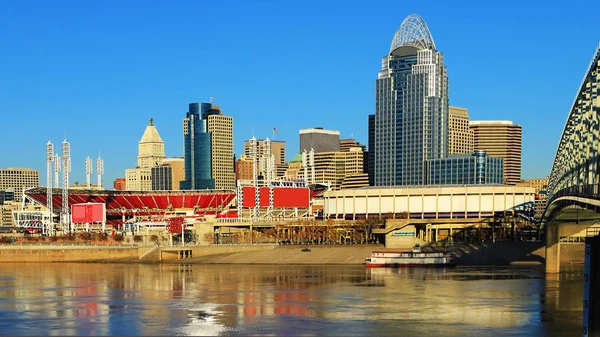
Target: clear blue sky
column 100, row 69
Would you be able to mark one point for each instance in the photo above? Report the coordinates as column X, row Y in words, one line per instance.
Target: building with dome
column 151, row 153
column 409, row 132
column 410, row 124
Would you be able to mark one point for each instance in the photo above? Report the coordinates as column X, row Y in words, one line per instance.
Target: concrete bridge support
column 591, row 292
column 552, row 249
column 554, row 231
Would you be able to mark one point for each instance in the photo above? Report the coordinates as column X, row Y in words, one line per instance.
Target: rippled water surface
column 232, row 300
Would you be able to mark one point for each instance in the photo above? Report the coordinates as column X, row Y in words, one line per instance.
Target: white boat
column 414, row 258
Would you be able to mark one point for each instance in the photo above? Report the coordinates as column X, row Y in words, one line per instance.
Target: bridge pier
column 552, row 249
column 591, row 292
column 554, row 231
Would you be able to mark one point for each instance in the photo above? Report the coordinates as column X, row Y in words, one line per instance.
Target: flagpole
column 273, row 131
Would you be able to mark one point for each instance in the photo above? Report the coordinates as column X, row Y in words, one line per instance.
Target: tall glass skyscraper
column 410, row 124
column 197, row 148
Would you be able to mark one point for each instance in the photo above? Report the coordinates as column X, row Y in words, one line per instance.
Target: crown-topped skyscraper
column 410, row 124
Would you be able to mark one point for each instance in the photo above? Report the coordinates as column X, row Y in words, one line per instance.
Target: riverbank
column 506, row 253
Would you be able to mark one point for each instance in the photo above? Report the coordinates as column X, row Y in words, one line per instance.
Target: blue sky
column 98, row 70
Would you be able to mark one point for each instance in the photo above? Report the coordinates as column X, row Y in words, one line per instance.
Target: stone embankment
column 464, row 254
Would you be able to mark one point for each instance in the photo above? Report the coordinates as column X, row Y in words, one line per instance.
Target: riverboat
column 414, row 258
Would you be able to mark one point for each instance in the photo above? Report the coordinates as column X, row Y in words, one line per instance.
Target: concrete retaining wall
column 70, row 254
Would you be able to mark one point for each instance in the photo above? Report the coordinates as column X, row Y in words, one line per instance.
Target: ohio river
column 231, row 300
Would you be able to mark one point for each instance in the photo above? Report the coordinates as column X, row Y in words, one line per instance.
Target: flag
column 274, row 130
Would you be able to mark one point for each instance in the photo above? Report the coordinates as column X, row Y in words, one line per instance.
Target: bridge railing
column 585, row 191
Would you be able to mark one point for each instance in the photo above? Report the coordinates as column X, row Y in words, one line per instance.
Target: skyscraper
column 220, row 128
column 500, row 139
column 319, row 140
column 197, row 148
column 151, row 152
column 410, row 124
column 460, row 136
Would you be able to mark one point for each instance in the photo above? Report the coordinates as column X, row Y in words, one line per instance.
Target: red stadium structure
column 87, row 213
column 143, row 204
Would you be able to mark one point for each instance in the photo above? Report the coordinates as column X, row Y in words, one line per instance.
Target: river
column 233, row 300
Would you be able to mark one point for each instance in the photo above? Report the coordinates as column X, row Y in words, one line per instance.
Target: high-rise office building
column 197, row 148
column 18, row 180
column 151, row 152
column 277, row 150
column 371, row 151
column 220, row 128
column 162, row 178
column 177, row 171
column 460, row 136
column 320, row 140
column 465, row 169
column 410, row 124
column 500, row 139
column 346, row 144
column 243, row 168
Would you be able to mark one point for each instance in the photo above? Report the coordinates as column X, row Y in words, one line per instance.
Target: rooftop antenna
column 212, row 98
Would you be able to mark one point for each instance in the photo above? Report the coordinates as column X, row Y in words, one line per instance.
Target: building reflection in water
column 104, row 299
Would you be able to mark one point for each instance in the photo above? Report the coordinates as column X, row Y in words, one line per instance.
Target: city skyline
column 110, row 87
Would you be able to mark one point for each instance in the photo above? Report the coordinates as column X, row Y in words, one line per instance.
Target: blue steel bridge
column 573, row 204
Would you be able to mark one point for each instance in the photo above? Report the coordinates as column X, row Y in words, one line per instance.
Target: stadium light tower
column 88, row 171
column 66, row 159
column 50, row 169
column 254, row 155
column 99, row 171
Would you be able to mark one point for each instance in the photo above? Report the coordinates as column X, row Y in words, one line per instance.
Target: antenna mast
column 66, row 159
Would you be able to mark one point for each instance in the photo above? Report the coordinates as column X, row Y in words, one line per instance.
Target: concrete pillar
column 437, row 236
column 552, row 248
column 591, row 292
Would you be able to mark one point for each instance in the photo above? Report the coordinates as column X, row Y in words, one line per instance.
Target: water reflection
column 102, row 299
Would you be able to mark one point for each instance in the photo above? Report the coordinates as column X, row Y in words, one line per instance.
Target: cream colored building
column 138, row 179
column 19, row 179
column 427, row 202
column 333, row 168
column 6, row 211
column 294, row 170
column 177, row 165
column 500, row 139
column 220, row 128
column 78, row 186
column 537, row 183
column 277, row 149
column 460, row 136
column 540, row 184
column 151, row 152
